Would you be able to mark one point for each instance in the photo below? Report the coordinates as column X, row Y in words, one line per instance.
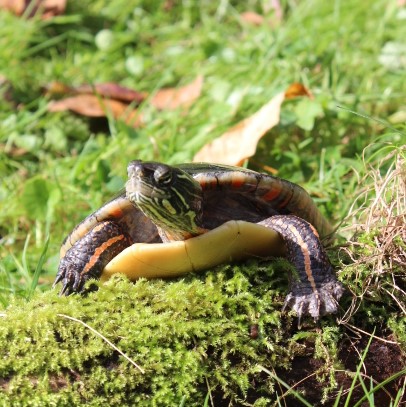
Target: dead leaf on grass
column 297, row 89
column 172, row 98
column 240, row 142
column 252, row 18
column 94, row 106
column 47, row 8
column 98, row 100
column 108, row 90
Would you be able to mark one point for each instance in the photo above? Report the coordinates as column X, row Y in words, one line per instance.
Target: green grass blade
column 287, row 387
column 38, row 269
column 338, row 398
column 182, row 402
column 382, row 384
column 206, row 400
column 357, row 373
column 399, row 395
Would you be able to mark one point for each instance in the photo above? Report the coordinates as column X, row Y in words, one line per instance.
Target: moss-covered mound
column 218, row 338
column 191, row 338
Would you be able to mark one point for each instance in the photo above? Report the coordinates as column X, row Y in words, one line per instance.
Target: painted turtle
column 165, row 203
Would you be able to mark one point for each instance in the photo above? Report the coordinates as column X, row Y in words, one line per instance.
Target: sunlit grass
column 56, row 168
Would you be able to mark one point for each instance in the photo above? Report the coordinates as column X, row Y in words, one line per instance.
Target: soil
column 382, row 360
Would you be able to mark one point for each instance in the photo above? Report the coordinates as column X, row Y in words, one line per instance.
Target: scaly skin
column 87, row 258
column 316, row 291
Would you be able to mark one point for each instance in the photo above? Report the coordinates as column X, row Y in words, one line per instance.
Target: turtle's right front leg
column 87, row 258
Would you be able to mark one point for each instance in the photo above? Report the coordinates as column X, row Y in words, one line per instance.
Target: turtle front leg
column 316, row 291
column 87, row 258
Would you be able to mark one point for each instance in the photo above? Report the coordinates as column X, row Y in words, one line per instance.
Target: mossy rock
column 191, row 336
column 217, row 335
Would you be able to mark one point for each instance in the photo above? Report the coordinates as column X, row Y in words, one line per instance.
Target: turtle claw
column 71, row 284
column 324, row 300
column 58, row 279
column 70, row 274
column 65, row 290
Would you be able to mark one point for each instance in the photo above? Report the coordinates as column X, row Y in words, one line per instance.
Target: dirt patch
column 383, row 359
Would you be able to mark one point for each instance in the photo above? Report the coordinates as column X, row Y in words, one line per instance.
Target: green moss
column 397, row 323
column 188, row 335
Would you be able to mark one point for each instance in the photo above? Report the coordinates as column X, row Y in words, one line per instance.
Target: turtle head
column 170, row 197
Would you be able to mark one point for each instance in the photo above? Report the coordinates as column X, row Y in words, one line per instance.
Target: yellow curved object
column 234, row 240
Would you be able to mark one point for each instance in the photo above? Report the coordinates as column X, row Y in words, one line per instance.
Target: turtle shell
column 229, row 193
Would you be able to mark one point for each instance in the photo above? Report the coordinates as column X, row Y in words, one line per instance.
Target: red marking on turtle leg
column 317, row 291
column 101, row 250
column 89, row 255
column 306, row 259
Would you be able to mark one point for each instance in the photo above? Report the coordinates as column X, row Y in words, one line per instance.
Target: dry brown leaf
column 172, row 98
column 93, row 106
column 101, row 99
column 58, row 89
column 252, row 18
column 297, row 89
column 15, row 6
column 240, row 142
column 52, row 8
column 114, row 91
column 47, row 8
column 108, row 90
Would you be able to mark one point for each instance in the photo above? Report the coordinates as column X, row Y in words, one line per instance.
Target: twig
column 104, row 338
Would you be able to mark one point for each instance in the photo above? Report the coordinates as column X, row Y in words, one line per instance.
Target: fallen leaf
column 108, row 90
column 15, row 6
column 97, row 100
column 297, row 89
column 240, row 142
column 51, row 8
column 252, row 18
column 47, row 8
column 114, row 91
column 58, row 89
column 172, row 98
column 94, row 106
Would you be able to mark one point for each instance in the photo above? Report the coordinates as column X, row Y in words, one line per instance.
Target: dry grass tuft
column 377, row 223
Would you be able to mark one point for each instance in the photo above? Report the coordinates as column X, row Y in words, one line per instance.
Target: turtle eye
column 163, row 176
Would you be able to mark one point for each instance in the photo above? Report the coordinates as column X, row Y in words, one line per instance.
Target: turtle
column 164, row 203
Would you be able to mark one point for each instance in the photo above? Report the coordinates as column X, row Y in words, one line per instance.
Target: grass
column 58, row 167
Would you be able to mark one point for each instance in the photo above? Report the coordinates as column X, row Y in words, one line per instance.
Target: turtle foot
column 72, row 280
column 316, row 303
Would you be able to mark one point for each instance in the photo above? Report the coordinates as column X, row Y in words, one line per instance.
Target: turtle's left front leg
column 87, row 258
column 316, row 291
